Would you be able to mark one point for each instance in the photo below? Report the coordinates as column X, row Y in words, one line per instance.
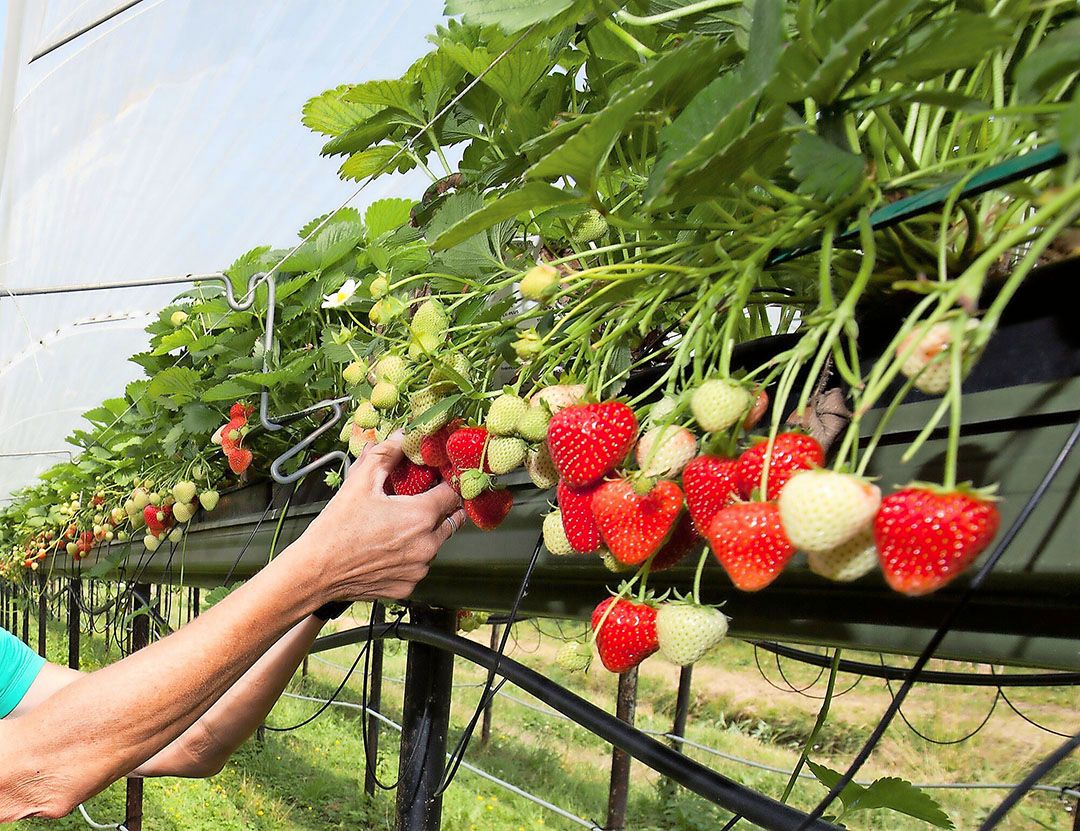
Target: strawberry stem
column 697, row 574
column 822, row 715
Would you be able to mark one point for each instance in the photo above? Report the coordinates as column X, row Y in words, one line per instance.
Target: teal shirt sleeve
column 19, row 666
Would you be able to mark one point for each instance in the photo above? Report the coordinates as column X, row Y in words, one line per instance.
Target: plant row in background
column 613, row 186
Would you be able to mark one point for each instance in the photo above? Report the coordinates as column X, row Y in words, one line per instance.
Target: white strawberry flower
column 340, row 297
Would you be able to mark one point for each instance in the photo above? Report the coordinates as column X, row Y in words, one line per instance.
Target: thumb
column 379, row 460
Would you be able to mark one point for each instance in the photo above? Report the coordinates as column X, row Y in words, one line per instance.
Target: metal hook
column 334, row 404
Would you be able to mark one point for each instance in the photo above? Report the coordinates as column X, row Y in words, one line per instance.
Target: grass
column 312, row 778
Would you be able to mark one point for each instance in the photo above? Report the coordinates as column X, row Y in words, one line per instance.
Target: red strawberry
column 790, row 452
column 635, row 525
column 589, row 441
column 683, row 540
column 577, row 517
column 154, row 523
column 710, row 483
column 465, row 448
column 239, row 459
column 409, row 479
column 489, row 509
column 433, row 447
column 85, row 543
column 927, row 536
column 749, row 541
column 241, row 411
column 231, row 436
column 627, row 636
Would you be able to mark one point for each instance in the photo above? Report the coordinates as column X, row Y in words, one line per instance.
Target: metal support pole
column 42, row 613
column 485, row 727
column 26, row 621
column 378, row 615
column 619, row 791
column 140, row 637
column 425, row 721
column 74, row 593
column 195, row 601
column 682, row 706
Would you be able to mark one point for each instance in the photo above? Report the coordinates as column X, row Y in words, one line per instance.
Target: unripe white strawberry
column 410, row 446
column 422, row 401
column 687, row 631
column 574, row 656
column 931, row 378
column 183, row 511
column 822, row 509
column 355, row 372
column 140, row 498
column 178, row 318
column 612, row 564
column 533, row 424
column 558, row 397
column 849, row 561
column 393, row 369
column 504, row 413
column 151, row 542
column 72, row 549
column 555, row 536
column 541, row 468
column 209, row 500
column 719, row 403
column 430, row 319
column 183, row 491
column 666, row 450
column 472, row 483
column 176, row 534
column 366, row 415
column 384, row 396
column 505, row 453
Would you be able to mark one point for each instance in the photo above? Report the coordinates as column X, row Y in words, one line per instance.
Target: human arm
column 101, row 726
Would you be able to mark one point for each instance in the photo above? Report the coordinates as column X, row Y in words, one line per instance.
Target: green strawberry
column 346, row 429
column 422, row 401
column 590, row 226
column 540, row 467
column 430, row 319
column 366, row 415
column 574, row 656
column 392, row 368
column 178, row 318
column 612, row 564
column 687, row 631
column 533, row 424
column 823, row 509
column 719, row 403
column 176, row 535
column 848, row 561
column 472, row 483
column 539, row 282
column 424, row 344
column 384, row 396
column 151, row 542
column 379, row 286
column 183, row 511
column 528, row 345
column 355, row 372
column 555, row 536
column 504, row 413
column 183, row 491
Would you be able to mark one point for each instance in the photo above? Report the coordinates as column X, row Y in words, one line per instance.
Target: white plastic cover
column 164, row 142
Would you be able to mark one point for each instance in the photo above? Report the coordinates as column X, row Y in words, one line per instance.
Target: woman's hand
column 373, row 545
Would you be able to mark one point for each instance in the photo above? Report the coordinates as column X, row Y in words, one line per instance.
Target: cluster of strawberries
column 230, row 436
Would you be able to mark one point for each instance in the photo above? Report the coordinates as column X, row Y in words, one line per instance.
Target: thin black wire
column 943, row 630
column 1030, row 720
column 326, row 704
column 791, row 688
column 800, row 690
column 490, row 688
column 1040, row 770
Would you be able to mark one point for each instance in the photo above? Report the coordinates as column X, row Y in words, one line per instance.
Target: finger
column 378, row 460
column 446, row 530
column 441, row 500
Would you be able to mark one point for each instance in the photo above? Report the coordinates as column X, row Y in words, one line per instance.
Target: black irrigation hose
column 895, row 673
column 765, row 811
column 1040, row 770
column 913, row 674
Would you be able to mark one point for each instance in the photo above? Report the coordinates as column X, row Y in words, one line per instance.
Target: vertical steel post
column 195, row 601
column 619, row 791
column 42, row 613
column 26, row 621
column 74, row 593
column 371, row 761
column 425, row 721
column 140, row 637
column 485, row 726
column 682, row 706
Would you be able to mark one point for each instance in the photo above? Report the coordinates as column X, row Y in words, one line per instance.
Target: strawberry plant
column 638, row 200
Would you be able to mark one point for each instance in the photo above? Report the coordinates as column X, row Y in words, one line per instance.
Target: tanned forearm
column 106, row 724
column 205, row 747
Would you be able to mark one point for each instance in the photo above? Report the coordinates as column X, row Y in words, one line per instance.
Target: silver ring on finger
column 453, row 525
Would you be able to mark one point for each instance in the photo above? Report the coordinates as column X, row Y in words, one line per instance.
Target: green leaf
column 901, row 796
column 218, row 594
column 1054, row 59
column 366, row 133
column 397, row 94
column 199, row 419
column 584, row 154
column 331, row 115
column 177, row 384
column 766, row 42
column 844, row 32
column 228, row 390
column 957, row 40
column 336, row 240
column 375, row 161
column 434, row 411
column 1068, row 125
column 172, row 439
column 822, row 169
column 386, row 215
column 508, row 15
column 531, row 196
column 511, row 78
column 829, row 778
